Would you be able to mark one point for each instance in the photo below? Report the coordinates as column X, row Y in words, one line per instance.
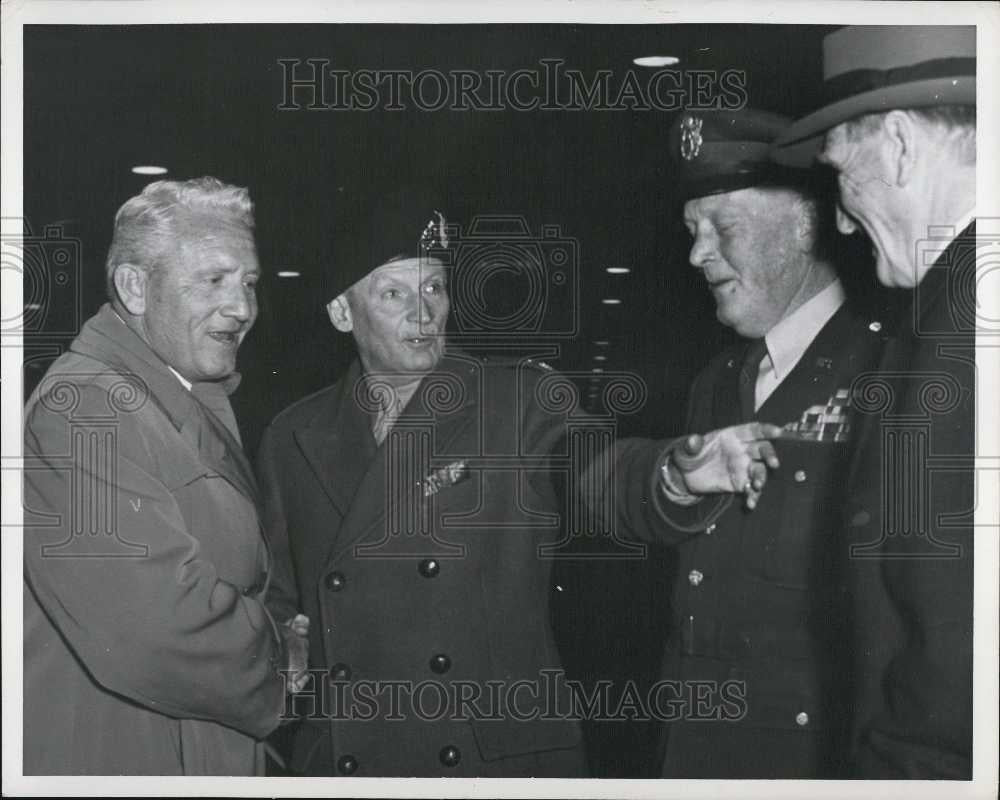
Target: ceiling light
column 600, row 358
column 611, row 301
column 601, row 342
column 149, row 169
column 618, row 270
column 289, row 273
column 655, row 61
column 597, row 369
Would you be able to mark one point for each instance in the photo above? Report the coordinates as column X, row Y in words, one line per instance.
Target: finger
column 752, row 498
column 758, row 476
column 693, row 444
column 768, row 455
column 765, row 430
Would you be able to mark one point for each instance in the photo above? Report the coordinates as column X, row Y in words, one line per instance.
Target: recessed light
column 600, row 358
column 601, row 342
column 149, row 169
column 289, row 273
column 611, row 301
column 597, row 369
column 618, row 270
column 655, row 61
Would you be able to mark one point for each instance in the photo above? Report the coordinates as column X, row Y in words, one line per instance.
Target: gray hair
column 954, row 125
column 145, row 226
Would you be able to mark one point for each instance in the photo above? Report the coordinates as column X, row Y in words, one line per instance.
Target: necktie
column 756, row 350
column 387, row 416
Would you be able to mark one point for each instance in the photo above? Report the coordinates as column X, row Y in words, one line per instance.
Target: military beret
column 373, row 229
column 722, row 151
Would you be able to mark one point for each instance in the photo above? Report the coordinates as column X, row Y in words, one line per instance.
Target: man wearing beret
column 757, row 610
column 900, row 129
column 406, row 505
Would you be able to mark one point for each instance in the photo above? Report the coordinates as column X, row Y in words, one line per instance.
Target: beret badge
column 691, row 140
column 434, row 235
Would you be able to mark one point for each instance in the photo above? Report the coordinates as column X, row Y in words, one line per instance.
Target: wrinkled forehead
column 409, row 270
column 740, row 201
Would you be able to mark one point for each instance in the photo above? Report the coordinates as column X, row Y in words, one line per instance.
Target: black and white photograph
column 564, row 400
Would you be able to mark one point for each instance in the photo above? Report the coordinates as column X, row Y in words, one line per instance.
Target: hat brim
column 799, row 144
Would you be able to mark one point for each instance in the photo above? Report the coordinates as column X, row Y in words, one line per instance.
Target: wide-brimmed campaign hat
column 714, row 152
column 872, row 69
column 374, row 229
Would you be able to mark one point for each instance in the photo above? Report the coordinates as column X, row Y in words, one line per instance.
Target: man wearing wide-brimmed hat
column 406, row 505
column 899, row 126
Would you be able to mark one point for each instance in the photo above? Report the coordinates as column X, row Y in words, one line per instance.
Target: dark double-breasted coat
column 758, row 635
column 148, row 649
column 418, row 563
column 909, row 534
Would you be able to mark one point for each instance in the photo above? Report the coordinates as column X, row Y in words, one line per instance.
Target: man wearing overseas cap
column 756, row 606
column 406, row 505
column 899, row 126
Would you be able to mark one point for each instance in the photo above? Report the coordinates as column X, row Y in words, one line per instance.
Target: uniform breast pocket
column 796, row 535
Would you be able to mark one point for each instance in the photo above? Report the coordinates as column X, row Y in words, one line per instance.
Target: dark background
column 203, row 100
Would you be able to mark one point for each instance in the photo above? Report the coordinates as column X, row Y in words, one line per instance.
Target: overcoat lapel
column 372, row 500
column 107, row 339
column 338, row 443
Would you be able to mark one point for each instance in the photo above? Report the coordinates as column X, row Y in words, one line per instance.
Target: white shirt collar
column 964, row 221
column 788, row 340
column 181, row 378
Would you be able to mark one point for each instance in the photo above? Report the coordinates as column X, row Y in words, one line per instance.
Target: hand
column 296, row 634
column 734, row 459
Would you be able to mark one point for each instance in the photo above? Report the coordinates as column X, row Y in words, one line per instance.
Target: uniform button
column 450, row 755
column 802, row 718
column 875, row 326
column 800, row 475
column 347, row 765
column 340, row 672
column 335, row 581
column 429, row 567
column 440, row 663
column 710, row 529
column 695, row 577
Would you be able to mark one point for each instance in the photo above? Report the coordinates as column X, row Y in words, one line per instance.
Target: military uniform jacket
column 758, row 608
column 910, row 535
column 147, row 646
column 418, row 564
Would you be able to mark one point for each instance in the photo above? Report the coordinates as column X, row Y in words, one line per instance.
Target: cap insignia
column 691, row 140
column 434, row 234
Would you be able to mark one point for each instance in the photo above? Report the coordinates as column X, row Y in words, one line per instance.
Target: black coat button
column 347, row 765
column 335, row 581
column 340, row 672
column 440, row 663
column 450, row 755
column 429, row 567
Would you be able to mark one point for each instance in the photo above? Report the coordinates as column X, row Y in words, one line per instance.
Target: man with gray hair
column 148, row 649
column 899, row 120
